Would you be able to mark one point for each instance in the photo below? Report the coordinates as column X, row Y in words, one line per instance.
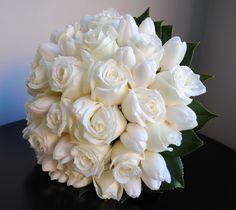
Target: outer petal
column 48, row 51
column 144, row 73
column 153, row 184
column 181, row 117
column 133, row 188
column 135, row 138
column 154, row 166
column 48, row 164
column 41, row 105
column 125, row 56
column 147, row 27
column 174, row 51
column 63, row 149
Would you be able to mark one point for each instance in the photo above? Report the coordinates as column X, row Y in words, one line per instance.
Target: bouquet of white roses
column 113, row 105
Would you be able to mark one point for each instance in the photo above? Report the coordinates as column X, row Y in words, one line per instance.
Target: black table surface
column 210, row 181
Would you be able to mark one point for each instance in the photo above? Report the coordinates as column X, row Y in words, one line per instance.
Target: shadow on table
column 46, row 194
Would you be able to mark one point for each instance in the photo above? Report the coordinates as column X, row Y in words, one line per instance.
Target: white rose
column 161, row 135
column 58, row 118
column 100, row 42
column 109, row 83
column 97, row 123
column 107, row 187
column 89, row 159
column 69, row 41
column 147, row 47
column 134, row 138
column 155, row 170
column 126, row 170
column 62, row 150
column 147, row 26
column 174, row 51
column 66, row 77
column 127, row 30
column 143, row 106
column 181, row 117
column 106, row 18
column 178, row 85
column 42, row 139
column 38, row 78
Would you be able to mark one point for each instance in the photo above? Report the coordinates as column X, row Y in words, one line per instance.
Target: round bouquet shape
column 113, row 105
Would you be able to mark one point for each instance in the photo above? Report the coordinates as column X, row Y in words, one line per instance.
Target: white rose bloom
column 178, row 85
column 106, row 18
column 181, row 117
column 100, row 42
column 58, row 118
column 174, row 51
column 147, row 27
column 161, row 135
column 40, row 106
column 126, row 170
column 89, row 159
column 97, row 123
column 127, row 30
column 109, row 82
column 107, row 187
column 69, row 41
column 62, row 151
column 155, row 170
column 147, row 47
column 134, row 138
column 42, row 139
column 66, row 77
column 143, row 106
column 39, row 76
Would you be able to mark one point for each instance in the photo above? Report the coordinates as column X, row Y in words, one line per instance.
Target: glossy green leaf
column 142, row 17
column 175, row 166
column 203, row 115
column 166, row 33
column 158, row 27
column 203, row 77
column 189, row 53
column 190, row 142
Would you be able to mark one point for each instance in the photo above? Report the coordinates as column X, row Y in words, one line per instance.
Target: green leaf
column 175, row 166
column 166, row 33
column 190, row 142
column 189, row 54
column 203, row 77
column 203, row 115
column 142, row 17
column 158, row 27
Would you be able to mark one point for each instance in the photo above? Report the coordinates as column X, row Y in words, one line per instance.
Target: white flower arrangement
column 113, row 105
